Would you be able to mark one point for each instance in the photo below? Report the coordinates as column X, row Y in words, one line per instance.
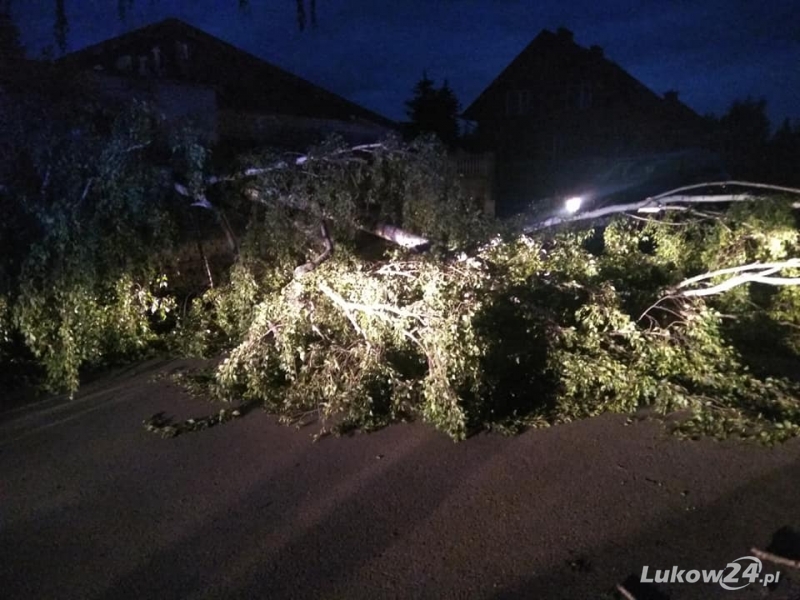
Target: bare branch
column 736, row 281
column 765, row 270
column 136, row 147
column 206, row 264
column 774, row 558
column 665, row 203
column 390, row 233
column 744, row 184
column 625, row 593
column 659, row 203
column 314, row 263
column 253, row 172
column 378, row 310
column 343, row 304
column 401, row 237
column 792, row 262
column 285, row 164
column 85, row 192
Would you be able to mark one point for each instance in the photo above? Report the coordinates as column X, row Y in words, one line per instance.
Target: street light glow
column 573, row 205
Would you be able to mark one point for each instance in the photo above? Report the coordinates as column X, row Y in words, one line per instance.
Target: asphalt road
column 94, row 507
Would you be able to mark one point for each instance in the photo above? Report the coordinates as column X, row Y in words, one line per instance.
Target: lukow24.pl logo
column 736, row 575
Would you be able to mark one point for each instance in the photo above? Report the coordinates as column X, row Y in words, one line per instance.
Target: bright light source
column 573, row 205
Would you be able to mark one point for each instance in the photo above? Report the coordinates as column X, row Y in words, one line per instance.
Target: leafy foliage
column 488, row 329
column 523, row 331
column 88, row 221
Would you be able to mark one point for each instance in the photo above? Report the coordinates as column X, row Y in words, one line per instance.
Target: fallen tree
column 94, row 224
column 256, row 193
column 483, row 330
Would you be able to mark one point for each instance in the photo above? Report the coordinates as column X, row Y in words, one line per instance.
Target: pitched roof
column 555, row 55
column 242, row 80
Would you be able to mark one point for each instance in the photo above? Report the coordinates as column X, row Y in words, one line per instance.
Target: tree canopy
column 434, row 110
column 10, row 45
column 750, row 150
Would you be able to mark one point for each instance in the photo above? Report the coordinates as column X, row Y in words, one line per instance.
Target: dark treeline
column 751, row 150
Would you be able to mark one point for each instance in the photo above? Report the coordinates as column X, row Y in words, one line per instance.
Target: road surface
column 92, row 506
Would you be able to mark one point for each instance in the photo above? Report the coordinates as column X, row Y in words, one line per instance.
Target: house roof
column 242, row 80
column 554, row 55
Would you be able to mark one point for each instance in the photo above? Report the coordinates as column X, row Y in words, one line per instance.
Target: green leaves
column 482, row 332
column 82, row 286
column 523, row 331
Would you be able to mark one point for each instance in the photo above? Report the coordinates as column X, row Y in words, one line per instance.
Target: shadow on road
column 304, row 531
column 707, row 538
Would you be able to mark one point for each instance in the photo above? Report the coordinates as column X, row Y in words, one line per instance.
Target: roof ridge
column 261, row 62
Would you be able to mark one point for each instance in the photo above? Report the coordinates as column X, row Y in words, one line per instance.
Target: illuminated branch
column 378, row 310
column 298, row 161
column 667, row 201
column 390, row 233
column 762, row 275
column 344, row 305
column 745, row 184
column 625, row 593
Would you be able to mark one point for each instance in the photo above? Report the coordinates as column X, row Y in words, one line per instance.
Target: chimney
column 671, row 96
column 564, row 34
column 597, row 51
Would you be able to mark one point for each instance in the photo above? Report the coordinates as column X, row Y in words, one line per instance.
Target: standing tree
column 742, row 138
column 433, row 110
column 10, row 46
column 784, row 149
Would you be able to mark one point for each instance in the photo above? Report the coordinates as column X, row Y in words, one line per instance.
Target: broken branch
column 314, row 263
column 774, row 558
column 765, row 270
column 625, row 593
column 661, row 202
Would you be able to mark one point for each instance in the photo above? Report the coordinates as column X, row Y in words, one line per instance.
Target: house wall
column 179, row 102
column 559, row 111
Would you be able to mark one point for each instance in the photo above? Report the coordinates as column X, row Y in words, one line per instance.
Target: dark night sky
column 372, row 52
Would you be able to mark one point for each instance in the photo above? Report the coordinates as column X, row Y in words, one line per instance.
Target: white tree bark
column 670, row 200
column 388, row 232
column 755, row 272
